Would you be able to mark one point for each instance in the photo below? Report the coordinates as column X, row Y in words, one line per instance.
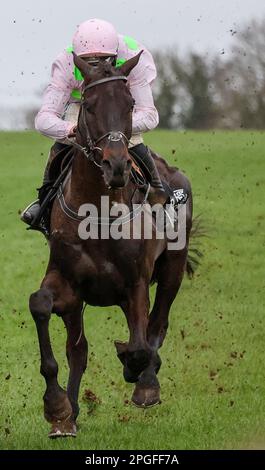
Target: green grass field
column 212, row 377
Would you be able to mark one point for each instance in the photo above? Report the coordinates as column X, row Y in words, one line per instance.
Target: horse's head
column 105, row 118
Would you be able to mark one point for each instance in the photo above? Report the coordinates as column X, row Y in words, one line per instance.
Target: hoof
column 146, row 397
column 63, row 429
column 58, row 409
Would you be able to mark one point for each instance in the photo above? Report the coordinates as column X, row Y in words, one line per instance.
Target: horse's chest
column 102, row 273
column 101, row 280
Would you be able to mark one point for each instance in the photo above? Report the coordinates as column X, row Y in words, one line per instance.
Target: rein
column 100, row 220
column 88, row 150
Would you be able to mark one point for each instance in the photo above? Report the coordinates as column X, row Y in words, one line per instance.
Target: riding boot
column 32, row 210
column 144, row 159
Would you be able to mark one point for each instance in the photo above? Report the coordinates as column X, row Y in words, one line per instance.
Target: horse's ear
column 127, row 67
column 82, row 65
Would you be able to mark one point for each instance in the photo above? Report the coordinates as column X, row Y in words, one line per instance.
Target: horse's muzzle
column 116, row 171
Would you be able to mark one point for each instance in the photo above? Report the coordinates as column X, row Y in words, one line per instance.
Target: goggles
column 95, row 61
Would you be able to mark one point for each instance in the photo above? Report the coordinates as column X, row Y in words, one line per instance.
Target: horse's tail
column 195, row 254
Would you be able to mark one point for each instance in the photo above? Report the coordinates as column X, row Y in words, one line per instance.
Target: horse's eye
column 88, row 108
column 90, row 103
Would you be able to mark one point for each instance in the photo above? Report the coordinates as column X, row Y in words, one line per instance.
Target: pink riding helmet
column 95, row 37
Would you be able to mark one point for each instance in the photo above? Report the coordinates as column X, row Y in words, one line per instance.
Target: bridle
column 114, row 136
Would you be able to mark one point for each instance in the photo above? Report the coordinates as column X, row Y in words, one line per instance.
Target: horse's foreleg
column 135, row 355
column 57, row 407
column 55, row 295
column 76, row 351
column 147, row 392
column 170, row 277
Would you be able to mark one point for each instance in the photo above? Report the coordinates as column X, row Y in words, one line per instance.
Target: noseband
column 113, row 136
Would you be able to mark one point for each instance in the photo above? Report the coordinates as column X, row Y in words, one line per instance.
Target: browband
column 104, row 80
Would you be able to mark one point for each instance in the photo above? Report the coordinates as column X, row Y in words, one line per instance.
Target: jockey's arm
column 145, row 115
column 48, row 120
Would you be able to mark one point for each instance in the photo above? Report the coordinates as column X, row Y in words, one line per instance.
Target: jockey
column 96, row 40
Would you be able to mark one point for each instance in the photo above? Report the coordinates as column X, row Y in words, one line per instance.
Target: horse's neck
column 87, row 184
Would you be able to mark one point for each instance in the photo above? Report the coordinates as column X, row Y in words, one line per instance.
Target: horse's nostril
column 116, row 169
column 128, row 164
column 107, row 164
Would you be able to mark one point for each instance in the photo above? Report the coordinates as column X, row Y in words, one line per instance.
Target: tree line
column 204, row 92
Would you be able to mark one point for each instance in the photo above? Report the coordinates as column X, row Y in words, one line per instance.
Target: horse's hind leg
column 57, row 407
column 170, row 275
column 76, row 351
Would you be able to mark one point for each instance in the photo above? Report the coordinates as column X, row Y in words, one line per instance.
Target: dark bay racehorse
column 105, row 272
